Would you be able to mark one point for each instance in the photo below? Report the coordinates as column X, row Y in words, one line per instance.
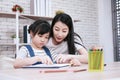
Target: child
column 36, row 52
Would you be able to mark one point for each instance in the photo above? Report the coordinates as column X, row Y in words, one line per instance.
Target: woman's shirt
column 23, row 52
column 57, row 49
column 61, row 48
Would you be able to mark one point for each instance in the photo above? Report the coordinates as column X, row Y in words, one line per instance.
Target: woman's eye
column 64, row 31
column 56, row 30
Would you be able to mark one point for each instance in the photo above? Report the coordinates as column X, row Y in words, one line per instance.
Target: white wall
column 84, row 10
column 93, row 15
column 87, row 12
column 105, row 29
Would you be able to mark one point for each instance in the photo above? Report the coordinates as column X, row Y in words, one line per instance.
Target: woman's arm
column 66, row 58
column 83, row 57
column 81, row 49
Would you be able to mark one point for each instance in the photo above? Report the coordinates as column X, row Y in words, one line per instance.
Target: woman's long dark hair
column 66, row 19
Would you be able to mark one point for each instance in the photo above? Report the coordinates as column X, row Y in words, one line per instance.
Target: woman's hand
column 61, row 58
column 75, row 62
column 68, row 59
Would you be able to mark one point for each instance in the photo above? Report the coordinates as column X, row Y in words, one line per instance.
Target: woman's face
column 60, row 32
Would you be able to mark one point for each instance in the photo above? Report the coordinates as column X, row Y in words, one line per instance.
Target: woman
column 64, row 41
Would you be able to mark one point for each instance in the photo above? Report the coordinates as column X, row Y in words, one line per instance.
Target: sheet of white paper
column 47, row 66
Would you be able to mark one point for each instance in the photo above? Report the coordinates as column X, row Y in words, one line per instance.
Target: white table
column 111, row 72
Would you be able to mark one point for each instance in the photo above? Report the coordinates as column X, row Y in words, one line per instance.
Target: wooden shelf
column 33, row 17
column 4, row 44
column 23, row 44
column 23, row 16
column 10, row 44
column 7, row 15
column 77, row 21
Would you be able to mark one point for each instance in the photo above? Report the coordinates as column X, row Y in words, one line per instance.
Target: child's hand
column 45, row 60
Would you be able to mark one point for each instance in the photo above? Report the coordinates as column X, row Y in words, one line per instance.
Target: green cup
column 95, row 62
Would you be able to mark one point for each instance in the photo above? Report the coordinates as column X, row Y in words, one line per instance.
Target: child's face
column 40, row 40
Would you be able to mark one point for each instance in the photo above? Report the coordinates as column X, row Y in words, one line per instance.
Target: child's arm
column 19, row 62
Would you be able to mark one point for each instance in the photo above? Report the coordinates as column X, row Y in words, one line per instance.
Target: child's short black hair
column 39, row 27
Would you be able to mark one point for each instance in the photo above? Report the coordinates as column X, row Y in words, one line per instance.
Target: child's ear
column 31, row 34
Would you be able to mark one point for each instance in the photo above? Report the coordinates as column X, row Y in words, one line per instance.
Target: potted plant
column 59, row 12
column 17, row 8
column 14, row 38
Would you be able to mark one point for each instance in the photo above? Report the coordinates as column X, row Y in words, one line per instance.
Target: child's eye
column 40, row 35
column 46, row 37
